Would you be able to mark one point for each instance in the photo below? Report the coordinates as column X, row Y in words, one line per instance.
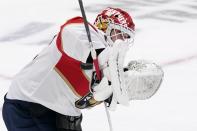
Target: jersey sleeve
column 75, row 41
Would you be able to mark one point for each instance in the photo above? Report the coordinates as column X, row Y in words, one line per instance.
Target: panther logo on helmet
column 115, row 19
column 113, row 15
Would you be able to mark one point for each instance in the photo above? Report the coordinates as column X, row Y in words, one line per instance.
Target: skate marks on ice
column 26, row 31
column 165, row 10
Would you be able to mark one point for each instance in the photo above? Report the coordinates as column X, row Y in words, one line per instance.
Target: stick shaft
column 85, row 20
column 93, row 52
column 108, row 117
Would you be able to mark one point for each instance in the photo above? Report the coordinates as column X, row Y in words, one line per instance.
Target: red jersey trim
column 69, row 68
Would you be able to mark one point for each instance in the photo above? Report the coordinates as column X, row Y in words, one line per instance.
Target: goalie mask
column 116, row 24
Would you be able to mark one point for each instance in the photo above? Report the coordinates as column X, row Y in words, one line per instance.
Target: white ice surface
column 165, row 33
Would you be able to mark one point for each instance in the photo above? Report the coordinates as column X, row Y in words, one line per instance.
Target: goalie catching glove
column 142, row 79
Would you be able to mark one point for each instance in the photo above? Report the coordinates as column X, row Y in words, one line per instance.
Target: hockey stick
column 93, row 53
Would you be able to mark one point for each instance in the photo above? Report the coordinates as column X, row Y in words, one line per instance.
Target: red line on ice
column 178, row 61
column 5, row 77
column 165, row 64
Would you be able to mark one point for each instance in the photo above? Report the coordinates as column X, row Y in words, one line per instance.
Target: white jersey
column 54, row 78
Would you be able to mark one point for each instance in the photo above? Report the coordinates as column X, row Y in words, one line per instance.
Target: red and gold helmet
column 115, row 18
